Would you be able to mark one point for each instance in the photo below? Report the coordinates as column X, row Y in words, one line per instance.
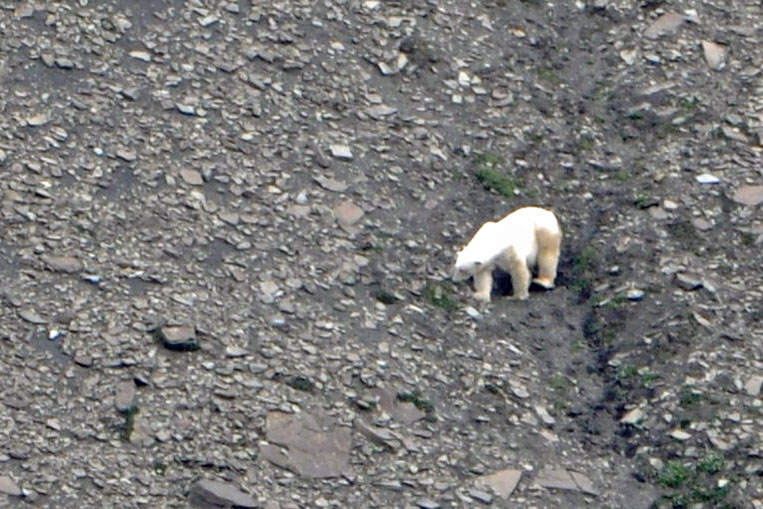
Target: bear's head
column 466, row 265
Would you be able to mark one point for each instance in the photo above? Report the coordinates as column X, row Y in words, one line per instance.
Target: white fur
column 513, row 238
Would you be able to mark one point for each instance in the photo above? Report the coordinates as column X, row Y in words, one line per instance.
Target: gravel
column 227, row 229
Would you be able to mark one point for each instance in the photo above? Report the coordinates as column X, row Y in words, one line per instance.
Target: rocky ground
column 227, row 228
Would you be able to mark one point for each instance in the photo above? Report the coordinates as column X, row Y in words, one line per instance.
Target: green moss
column 674, row 474
column 439, row 296
column 491, row 175
column 415, row 397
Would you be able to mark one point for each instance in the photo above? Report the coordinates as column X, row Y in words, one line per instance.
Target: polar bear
column 524, row 239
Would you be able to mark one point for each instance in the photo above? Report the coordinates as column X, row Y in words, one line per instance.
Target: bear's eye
column 478, row 263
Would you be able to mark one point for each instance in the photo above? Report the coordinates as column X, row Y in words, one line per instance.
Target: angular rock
column 565, row 480
column 191, row 177
column 124, row 399
column 664, row 25
column 330, row 184
column 181, row 338
column 502, row 482
column 749, row 195
column 753, row 385
column 31, row 316
column 347, row 213
column 341, row 151
column 9, row 487
column 66, row 264
column 715, row 55
column 209, row 494
column 316, row 446
column 127, row 154
column 687, row 281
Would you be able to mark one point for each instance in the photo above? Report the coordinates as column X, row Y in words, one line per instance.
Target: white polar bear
column 524, row 239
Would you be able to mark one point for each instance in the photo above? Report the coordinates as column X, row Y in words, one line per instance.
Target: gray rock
column 481, row 496
column 348, row 214
column 566, row 480
column 666, row 24
column 31, row 316
column 211, row 494
column 66, row 264
column 179, row 337
column 341, row 151
column 427, row 503
column 9, row 487
column 316, row 447
column 191, row 177
column 687, row 281
column 749, row 195
column 503, row 482
column 124, row 399
column 753, row 385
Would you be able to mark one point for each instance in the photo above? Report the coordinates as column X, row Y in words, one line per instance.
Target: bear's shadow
column 502, row 283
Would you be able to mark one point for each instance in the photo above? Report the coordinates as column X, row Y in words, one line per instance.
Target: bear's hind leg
column 483, row 285
column 520, row 273
column 549, row 246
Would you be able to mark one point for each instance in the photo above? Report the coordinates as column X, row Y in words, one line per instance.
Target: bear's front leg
column 483, row 285
column 520, row 274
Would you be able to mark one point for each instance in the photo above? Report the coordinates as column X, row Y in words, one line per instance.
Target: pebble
column 141, row 55
column 634, row 294
column 341, row 151
column 427, row 503
column 706, row 178
column 680, row 434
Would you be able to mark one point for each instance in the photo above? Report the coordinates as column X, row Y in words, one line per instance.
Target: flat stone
column 749, row 195
column 31, row 316
column 341, row 151
column 715, row 55
column 9, row 487
column 316, row 446
column 687, row 281
column 179, row 338
column 66, row 264
column 207, row 493
column 235, row 352
column 481, row 496
column 680, row 434
column 633, row 416
column 502, row 482
column 566, row 480
column 427, row 503
column 191, row 177
column 380, row 111
column 347, row 213
column 706, row 178
column 124, row 399
column 664, row 25
column 37, row 120
column 127, row 154
column 753, row 385
column 329, row 184
column 144, row 56
column 702, row 225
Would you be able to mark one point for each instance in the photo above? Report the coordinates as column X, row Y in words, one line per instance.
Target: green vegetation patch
column 491, row 174
column 439, row 296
